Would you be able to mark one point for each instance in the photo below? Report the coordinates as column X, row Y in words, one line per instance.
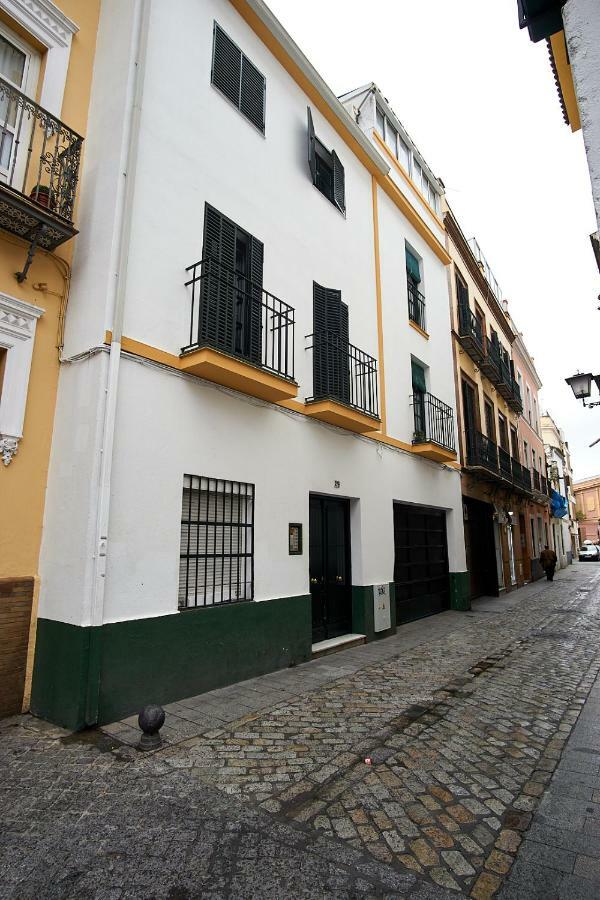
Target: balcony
column 470, row 335
column 536, row 480
column 416, row 306
column 434, row 428
column 39, row 169
column 495, row 463
column 240, row 335
column 345, row 390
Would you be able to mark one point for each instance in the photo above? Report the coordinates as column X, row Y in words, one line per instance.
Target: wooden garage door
column 16, row 595
column 421, row 562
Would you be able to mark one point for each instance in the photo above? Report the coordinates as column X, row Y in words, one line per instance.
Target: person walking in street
column 548, row 561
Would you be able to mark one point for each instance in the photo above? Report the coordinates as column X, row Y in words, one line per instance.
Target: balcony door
column 19, row 68
column 331, row 360
column 231, row 295
column 470, row 418
column 329, row 565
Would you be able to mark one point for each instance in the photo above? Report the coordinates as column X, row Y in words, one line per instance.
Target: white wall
column 196, row 148
column 582, row 32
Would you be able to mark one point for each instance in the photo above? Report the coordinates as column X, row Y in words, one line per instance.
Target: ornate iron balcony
column 506, row 469
column 536, row 480
column 343, row 373
column 39, row 169
column 434, row 421
column 235, row 315
column 416, row 305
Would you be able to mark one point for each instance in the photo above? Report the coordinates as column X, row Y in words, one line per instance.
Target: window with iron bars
column 216, row 563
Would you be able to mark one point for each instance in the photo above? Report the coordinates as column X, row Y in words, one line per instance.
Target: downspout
column 135, row 90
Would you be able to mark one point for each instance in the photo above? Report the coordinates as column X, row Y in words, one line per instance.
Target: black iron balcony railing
column 39, row 169
column 434, row 421
column 343, row 373
column 490, row 363
column 521, row 476
column 235, row 315
column 544, row 485
column 505, row 465
column 470, row 333
column 481, row 451
column 416, row 305
column 515, row 401
column 536, row 480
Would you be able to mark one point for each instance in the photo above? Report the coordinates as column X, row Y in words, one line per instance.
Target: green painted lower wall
column 460, row 591
column 163, row 659
column 363, row 618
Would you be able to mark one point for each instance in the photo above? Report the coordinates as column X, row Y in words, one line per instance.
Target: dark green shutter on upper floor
column 418, row 377
column 412, row 266
column 239, row 79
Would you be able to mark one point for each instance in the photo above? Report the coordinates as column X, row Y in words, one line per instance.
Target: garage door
column 15, row 616
column 421, row 562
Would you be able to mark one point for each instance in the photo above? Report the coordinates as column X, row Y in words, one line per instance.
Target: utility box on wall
column 381, row 607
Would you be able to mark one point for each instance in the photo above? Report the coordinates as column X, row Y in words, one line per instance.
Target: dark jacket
column 547, row 558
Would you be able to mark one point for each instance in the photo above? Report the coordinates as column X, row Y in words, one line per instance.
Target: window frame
column 243, row 56
column 249, row 492
column 329, row 158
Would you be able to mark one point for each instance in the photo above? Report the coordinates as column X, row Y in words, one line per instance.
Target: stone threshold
column 333, row 645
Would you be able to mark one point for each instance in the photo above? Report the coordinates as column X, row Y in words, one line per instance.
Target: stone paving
column 409, row 767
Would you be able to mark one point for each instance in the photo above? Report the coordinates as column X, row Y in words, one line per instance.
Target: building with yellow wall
column 46, row 59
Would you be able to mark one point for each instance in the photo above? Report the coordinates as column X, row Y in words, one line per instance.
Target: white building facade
column 254, row 448
column 560, row 476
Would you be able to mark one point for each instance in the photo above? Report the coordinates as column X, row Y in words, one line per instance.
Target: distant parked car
column 589, row 552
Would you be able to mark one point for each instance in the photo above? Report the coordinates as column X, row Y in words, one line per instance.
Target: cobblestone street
column 422, row 766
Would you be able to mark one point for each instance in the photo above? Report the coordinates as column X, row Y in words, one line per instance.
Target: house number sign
column 295, row 538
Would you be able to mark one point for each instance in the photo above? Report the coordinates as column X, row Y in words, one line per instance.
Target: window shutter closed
column 412, row 266
column 312, row 152
column 217, row 294
column 418, row 378
column 331, row 368
column 238, row 78
column 227, row 65
column 339, row 185
column 252, row 94
column 256, row 277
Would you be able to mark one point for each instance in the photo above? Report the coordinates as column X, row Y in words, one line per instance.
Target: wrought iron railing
column 39, row 154
column 521, row 476
column 233, row 314
column 544, row 485
column 481, row 451
column 416, row 305
column 434, row 421
column 516, row 399
column 469, row 325
column 536, row 480
column 343, row 373
column 505, row 464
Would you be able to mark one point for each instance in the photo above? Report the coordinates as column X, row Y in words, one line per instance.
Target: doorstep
column 332, row 645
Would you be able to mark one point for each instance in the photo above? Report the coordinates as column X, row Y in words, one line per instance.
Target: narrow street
column 458, row 758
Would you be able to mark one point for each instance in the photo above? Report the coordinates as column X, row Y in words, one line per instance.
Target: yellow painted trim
column 218, row 368
column 565, row 76
column 337, row 122
column 407, row 178
column 235, row 374
column 310, row 410
column 432, row 451
column 338, row 414
column 406, row 207
column 379, row 304
column 418, row 328
column 278, row 51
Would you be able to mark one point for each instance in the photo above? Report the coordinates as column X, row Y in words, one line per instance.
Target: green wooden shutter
column 412, row 266
column 226, row 65
column 256, row 310
column 339, row 183
column 252, row 93
column 418, row 378
column 218, row 253
column 312, row 152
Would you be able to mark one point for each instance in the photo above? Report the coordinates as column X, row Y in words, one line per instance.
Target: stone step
column 333, row 645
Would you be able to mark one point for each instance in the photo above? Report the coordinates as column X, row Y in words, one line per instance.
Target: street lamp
column 581, row 385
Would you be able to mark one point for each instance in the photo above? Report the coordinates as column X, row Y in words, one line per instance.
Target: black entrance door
column 329, row 563
column 421, row 562
column 480, row 548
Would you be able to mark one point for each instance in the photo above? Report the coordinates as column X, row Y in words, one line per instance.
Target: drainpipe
column 129, row 157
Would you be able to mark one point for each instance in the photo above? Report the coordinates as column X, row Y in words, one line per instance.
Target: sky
column 479, row 100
